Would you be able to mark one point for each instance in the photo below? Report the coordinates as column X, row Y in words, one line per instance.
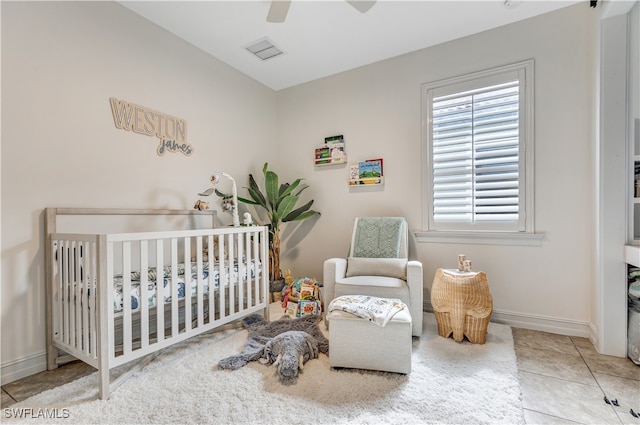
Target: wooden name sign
column 171, row 131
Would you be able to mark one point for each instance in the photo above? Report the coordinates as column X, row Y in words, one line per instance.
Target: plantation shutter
column 475, row 145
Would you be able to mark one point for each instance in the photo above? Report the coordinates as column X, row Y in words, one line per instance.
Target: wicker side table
column 462, row 304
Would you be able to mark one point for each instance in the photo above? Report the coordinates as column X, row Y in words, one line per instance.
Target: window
column 478, row 137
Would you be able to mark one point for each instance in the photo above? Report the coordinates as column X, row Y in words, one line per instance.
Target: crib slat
column 160, row 289
column 187, row 284
column 263, row 267
column 212, row 283
column 243, row 268
column 224, row 277
column 93, row 294
column 86, row 266
column 126, row 297
column 105, row 313
column 65, row 294
column 59, row 294
column 71, row 294
column 77, row 299
column 144, row 293
column 199, row 282
column 250, row 265
column 175, row 325
column 233, row 276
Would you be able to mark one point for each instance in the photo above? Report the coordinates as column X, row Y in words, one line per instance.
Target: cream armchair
column 377, row 265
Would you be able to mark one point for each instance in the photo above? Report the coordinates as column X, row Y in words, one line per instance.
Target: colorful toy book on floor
column 301, row 296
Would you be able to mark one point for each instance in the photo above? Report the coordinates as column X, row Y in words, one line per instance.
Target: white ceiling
column 322, row 38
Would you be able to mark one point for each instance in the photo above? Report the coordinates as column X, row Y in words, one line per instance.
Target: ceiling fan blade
column 278, row 11
column 362, row 5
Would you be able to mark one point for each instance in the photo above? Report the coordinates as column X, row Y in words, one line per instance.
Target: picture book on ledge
column 332, row 152
column 370, row 171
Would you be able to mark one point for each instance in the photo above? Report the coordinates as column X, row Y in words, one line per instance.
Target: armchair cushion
column 373, row 281
column 392, row 267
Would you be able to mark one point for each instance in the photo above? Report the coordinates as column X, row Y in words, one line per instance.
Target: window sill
column 480, row 238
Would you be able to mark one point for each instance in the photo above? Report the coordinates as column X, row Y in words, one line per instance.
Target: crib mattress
column 135, row 295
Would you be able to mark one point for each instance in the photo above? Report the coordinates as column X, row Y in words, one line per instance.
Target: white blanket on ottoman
column 377, row 310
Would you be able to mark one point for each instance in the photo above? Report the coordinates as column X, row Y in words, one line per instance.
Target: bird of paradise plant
column 279, row 201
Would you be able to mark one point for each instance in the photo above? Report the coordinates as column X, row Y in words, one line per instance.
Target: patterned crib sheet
column 238, row 270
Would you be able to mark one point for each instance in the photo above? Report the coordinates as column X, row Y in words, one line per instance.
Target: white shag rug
column 450, row 383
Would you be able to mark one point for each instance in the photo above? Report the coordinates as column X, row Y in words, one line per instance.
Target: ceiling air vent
column 264, row 49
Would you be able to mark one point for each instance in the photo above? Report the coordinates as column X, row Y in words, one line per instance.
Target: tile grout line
column 554, row 416
column 596, row 380
column 10, row 396
column 549, row 376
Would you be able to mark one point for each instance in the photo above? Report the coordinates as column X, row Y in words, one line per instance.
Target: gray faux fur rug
column 261, row 332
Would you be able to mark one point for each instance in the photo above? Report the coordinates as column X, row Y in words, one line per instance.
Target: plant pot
column 276, row 285
column 276, row 297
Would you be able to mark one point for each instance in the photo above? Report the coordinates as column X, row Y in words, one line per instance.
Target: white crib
column 116, row 297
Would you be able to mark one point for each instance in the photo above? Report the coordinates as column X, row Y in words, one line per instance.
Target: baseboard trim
column 593, row 336
column 543, row 323
column 23, row 367
column 539, row 323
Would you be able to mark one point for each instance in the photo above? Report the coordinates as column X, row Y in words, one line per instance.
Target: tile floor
column 564, row 381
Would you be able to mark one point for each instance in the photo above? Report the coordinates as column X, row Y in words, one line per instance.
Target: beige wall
column 61, row 62
column 378, row 109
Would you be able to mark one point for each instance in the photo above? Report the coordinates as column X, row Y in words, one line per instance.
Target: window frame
column 501, row 232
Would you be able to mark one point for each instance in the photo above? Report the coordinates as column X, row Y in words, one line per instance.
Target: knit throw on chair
column 377, row 237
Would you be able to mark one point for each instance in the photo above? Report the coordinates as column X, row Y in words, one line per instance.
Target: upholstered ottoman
column 358, row 343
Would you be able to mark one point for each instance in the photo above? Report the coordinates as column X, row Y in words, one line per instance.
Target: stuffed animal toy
column 288, row 278
column 201, row 205
column 289, row 351
column 247, row 220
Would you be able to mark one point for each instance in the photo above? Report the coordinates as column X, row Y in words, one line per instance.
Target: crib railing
column 225, row 278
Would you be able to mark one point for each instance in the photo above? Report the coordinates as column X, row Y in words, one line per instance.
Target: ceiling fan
column 279, row 8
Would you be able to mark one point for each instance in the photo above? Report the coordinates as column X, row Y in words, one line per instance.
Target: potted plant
column 279, row 201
